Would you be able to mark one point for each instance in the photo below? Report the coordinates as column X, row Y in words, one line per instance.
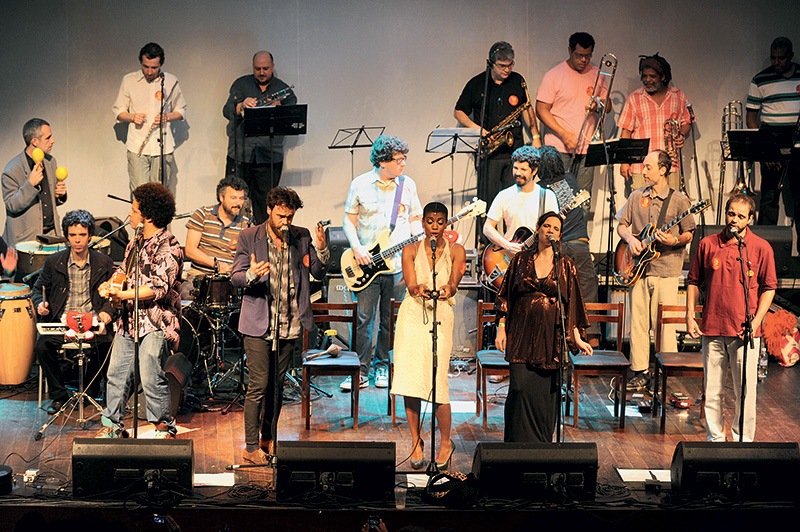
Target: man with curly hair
column 383, row 199
column 155, row 279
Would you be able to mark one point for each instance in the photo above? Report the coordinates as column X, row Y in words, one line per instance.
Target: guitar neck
column 388, row 252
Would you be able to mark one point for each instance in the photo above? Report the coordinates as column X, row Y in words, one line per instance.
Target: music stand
column 452, row 141
column 756, row 145
column 354, row 137
column 611, row 152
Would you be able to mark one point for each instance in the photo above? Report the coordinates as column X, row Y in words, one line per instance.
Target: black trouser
column 260, row 179
column 96, row 354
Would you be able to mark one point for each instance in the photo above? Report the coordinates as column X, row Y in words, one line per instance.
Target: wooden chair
column 392, row 405
column 673, row 364
column 346, row 364
column 603, row 362
column 487, row 361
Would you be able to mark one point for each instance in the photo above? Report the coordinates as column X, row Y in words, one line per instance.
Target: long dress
column 413, row 343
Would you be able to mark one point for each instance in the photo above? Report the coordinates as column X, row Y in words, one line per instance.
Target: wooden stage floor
column 219, row 439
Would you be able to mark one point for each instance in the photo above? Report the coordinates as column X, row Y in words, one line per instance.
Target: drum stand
column 77, row 397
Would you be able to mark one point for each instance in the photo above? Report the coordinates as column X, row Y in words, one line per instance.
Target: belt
column 582, row 239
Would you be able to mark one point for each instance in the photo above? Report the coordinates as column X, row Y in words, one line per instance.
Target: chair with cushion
column 346, row 364
column 487, row 361
column 673, row 364
column 603, row 361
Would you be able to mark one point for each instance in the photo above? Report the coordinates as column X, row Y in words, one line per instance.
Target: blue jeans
column 376, row 297
column 147, row 169
column 152, row 354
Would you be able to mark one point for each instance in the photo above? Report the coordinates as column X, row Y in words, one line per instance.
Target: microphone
column 512, row 124
column 138, row 231
column 735, row 232
column 691, row 111
column 112, row 196
column 284, row 234
column 553, row 243
column 433, row 244
column 182, row 215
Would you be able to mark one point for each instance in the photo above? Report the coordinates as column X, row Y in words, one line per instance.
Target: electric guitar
column 629, row 269
column 496, row 259
column 357, row 276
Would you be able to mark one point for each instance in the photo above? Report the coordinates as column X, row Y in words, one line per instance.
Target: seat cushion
column 346, row 359
column 491, row 358
column 600, row 358
column 691, row 360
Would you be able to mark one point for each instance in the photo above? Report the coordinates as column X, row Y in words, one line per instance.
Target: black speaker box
column 780, row 237
column 536, row 471
column 112, row 469
column 355, row 470
column 751, row 471
column 119, row 240
column 337, row 243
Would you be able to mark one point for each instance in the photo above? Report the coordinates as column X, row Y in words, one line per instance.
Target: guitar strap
column 542, row 191
column 398, row 194
column 662, row 216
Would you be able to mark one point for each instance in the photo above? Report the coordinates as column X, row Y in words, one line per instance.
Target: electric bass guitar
column 359, row 276
column 629, row 269
column 496, row 259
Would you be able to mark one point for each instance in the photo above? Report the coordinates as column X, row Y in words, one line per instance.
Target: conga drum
column 17, row 333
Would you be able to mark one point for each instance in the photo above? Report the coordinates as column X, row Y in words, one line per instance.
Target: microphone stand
column 748, row 331
column 432, row 467
column 564, row 349
column 161, row 133
column 137, row 248
column 483, row 162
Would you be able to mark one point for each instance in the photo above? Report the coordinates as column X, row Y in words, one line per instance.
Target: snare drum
column 18, row 333
column 214, row 292
column 32, row 254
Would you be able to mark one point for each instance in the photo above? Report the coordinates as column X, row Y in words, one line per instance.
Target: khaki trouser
column 646, row 294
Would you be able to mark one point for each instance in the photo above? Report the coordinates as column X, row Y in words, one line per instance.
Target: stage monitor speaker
column 337, row 243
column 113, row 469
column 119, row 240
column 780, row 237
column 354, row 470
column 748, row 471
column 536, row 471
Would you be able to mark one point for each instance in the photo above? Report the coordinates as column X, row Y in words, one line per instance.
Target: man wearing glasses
column 561, row 102
column 383, row 199
column 506, row 94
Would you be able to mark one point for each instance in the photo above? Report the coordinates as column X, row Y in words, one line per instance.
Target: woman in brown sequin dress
column 529, row 332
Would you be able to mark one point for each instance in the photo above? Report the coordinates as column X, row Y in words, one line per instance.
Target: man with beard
column 273, row 265
column 257, row 160
column 645, row 112
column 212, row 233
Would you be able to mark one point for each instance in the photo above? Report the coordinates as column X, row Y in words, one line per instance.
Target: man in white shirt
column 139, row 103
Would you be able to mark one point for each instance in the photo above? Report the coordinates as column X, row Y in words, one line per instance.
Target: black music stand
column 450, row 142
column 758, row 145
column 352, row 138
column 611, row 152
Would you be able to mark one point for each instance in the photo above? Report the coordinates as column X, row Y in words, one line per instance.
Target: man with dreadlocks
column 645, row 113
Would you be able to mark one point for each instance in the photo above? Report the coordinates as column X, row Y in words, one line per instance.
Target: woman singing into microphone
column 413, row 345
column 529, row 331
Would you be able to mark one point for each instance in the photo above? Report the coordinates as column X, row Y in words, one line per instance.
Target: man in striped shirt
column 212, row 232
column 773, row 105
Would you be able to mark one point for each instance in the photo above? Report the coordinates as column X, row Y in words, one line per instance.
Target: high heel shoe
column 446, row 463
column 419, row 464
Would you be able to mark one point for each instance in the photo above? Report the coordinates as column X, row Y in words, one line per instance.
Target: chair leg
column 484, row 402
column 356, row 388
column 575, row 400
column 393, row 406
column 306, row 398
column 663, row 404
column 478, row 377
column 621, row 396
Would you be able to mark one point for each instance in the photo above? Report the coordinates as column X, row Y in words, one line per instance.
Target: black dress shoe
column 54, row 407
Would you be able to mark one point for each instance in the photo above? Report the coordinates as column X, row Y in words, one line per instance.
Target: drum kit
column 208, row 332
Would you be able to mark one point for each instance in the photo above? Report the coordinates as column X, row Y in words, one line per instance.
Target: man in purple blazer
column 272, row 265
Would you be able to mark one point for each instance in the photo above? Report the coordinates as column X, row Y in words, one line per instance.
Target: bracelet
column 501, row 324
column 677, row 241
column 536, row 136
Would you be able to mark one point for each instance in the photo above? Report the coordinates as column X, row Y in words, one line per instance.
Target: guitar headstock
column 700, row 206
column 473, row 209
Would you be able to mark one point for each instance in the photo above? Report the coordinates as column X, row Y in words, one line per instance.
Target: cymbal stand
column 219, row 326
column 77, row 397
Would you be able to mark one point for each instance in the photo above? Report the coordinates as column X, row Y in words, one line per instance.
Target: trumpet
column 672, row 131
column 598, row 105
column 732, row 118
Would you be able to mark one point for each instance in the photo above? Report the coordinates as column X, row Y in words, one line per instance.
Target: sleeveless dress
column 413, row 343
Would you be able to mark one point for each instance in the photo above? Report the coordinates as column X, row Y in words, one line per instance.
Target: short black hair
column 664, row 160
column 284, row 196
column 236, row 183
column 582, row 38
column 657, row 63
column 742, row 198
column 435, row 207
column 501, row 51
column 551, row 165
column 152, row 50
column 78, row 217
column 782, row 43
column 156, row 203
column 32, row 129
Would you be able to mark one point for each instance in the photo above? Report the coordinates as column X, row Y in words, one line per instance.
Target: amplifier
column 337, row 243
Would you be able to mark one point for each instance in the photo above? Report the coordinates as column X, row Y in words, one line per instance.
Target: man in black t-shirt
column 507, row 94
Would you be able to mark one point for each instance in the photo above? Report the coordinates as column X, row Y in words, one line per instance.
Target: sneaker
column 639, row 381
column 382, row 377
column 347, row 384
column 496, row 379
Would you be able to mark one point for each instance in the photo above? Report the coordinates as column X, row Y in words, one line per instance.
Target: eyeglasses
column 505, row 66
column 399, row 160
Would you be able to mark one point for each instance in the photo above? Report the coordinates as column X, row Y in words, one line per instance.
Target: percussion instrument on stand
column 18, row 333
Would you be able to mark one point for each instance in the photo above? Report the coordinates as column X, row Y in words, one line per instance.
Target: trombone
column 592, row 127
column 732, row 118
